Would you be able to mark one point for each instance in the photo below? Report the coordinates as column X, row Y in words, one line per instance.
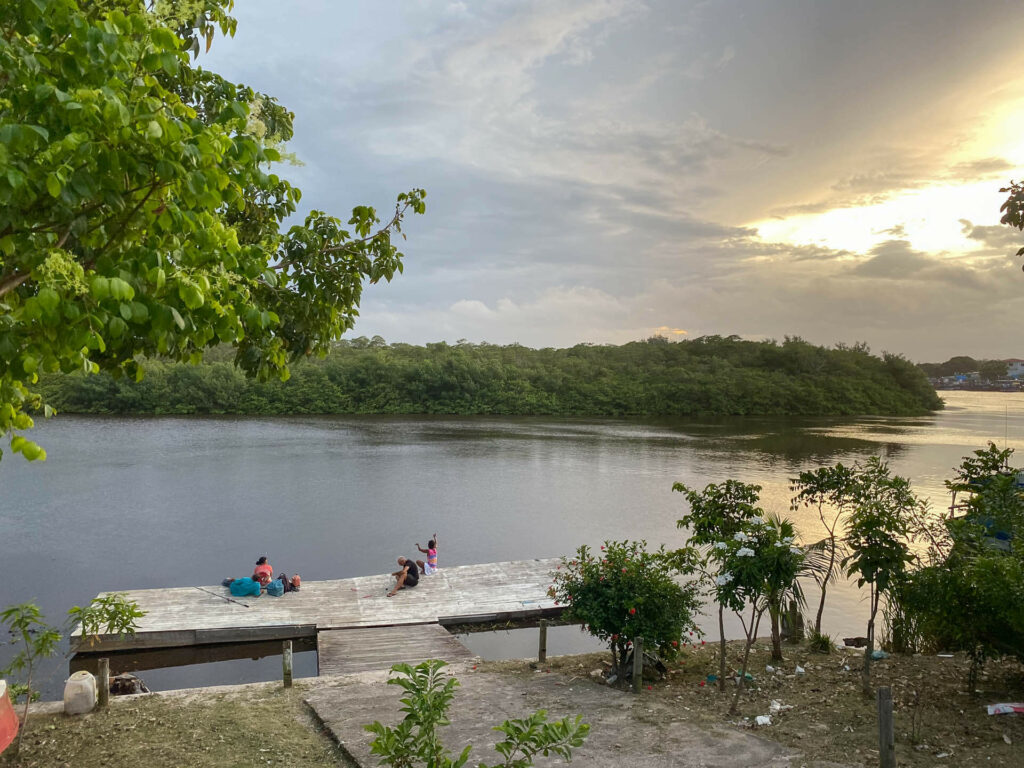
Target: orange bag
column 8, row 718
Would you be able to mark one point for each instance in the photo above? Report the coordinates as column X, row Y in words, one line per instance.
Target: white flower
column 780, row 543
column 796, row 550
column 788, row 540
column 740, row 536
column 744, row 552
column 724, row 579
column 721, row 545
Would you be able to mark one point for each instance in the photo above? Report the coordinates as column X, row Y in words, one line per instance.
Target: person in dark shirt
column 408, row 576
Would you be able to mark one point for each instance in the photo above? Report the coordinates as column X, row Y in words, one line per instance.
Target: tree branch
column 12, row 281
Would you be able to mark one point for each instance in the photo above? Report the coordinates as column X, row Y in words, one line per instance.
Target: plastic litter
column 79, row 693
column 712, row 678
column 800, row 670
column 777, row 706
column 879, row 655
column 763, row 720
column 1006, row 709
column 769, row 669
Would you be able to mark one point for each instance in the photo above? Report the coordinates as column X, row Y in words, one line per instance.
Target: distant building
column 1014, row 368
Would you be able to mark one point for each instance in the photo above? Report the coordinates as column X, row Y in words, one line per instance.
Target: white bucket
column 79, row 693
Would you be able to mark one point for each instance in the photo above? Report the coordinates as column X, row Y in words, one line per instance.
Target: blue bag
column 245, row 587
column 275, row 588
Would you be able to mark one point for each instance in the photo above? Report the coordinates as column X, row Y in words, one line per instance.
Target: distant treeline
column 989, row 369
column 711, row 375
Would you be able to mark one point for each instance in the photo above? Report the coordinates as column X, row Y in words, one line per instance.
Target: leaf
column 53, row 185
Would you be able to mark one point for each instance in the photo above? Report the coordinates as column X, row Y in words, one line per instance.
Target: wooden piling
column 103, row 682
column 638, row 664
column 286, row 661
column 886, row 730
column 542, row 647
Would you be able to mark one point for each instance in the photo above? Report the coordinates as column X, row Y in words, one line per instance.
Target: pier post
column 638, row 664
column 103, row 682
column 542, row 648
column 886, row 734
column 286, row 661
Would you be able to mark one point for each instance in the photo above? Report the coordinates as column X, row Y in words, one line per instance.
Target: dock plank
column 345, row 651
column 183, row 616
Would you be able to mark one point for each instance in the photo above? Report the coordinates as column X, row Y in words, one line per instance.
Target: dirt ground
column 938, row 722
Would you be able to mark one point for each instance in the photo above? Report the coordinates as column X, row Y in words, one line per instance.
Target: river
column 134, row 503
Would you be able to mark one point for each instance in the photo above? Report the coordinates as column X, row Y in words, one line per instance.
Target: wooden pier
column 467, row 594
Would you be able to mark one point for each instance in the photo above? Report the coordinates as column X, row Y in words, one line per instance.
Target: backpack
column 275, row 588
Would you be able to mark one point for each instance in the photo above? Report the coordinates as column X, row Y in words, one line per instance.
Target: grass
column 257, row 726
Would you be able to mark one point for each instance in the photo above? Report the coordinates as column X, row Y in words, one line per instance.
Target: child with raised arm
column 430, row 566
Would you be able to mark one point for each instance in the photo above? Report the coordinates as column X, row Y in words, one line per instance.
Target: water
column 134, row 503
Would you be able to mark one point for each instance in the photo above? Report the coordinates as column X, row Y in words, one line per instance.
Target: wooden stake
column 103, row 682
column 638, row 664
column 542, row 648
column 886, row 730
column 286, row 661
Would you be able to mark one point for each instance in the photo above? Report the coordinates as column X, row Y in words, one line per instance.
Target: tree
column 626, row 592
column 138, row 216
column 1013, row 208
column 428, row 695
column 876, row 537
column 817, row 488
column 716, row 514
column 38, row 640
column 757, row 566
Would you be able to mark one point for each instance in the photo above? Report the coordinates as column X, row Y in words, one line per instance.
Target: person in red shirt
column 264, row 572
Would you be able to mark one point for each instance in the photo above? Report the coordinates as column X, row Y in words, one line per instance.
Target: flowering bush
column 623, row 591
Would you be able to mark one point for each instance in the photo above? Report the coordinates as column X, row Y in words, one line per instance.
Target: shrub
column 624, row 591
column 428, row 695
column 818, row 642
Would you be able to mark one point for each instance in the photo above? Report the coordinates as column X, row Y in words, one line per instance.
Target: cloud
column 1000, row 237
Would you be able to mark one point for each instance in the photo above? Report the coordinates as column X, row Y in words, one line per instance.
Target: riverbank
column 822, row 717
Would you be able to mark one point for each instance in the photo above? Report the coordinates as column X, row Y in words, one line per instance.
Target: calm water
column 132, row 503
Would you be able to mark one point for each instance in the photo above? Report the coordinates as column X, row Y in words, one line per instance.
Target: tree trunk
column 870, row 647
column 751, row 636
column 775, row 613
column 824, row 583
column 721, row 647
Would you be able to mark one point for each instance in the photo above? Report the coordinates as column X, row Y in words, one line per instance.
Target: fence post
column 286, row 661
column 103, row 682
column 542, row 647
column 886, row 730
column 796, row 630
column 638, row 664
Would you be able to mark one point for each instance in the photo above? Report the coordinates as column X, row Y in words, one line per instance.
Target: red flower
column 650, row 687
column 675, row 643
column 602, row 547
column 615, row 637
column 632, row 611
column 623, row 570
column 702, row 642
column 691, row 634
column 701, row 683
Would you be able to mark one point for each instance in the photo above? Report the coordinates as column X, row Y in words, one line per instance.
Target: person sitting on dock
column 264, row 572
column 430, row 566
column 407, row 577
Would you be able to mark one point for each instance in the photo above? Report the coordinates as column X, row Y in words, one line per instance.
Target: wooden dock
column 344, row 651
column 467, row 594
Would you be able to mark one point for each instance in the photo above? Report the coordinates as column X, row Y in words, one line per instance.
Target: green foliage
column 825, row 487
column 429, row 692
column 1013, row 208
column 692, row 378
column 876, row 535
column 757, row 567
column 818, row 642
column 625, row 592
column 968, row 594
column 35, row 640
column 138, row 216
column 109, row 614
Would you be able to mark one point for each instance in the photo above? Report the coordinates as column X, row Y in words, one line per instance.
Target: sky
column 601, row 171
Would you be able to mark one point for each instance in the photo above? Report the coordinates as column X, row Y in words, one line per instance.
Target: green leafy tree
column 716, row 514
column 825, row 488
column 35, row 640
column 138, row 213
column 1013, row 208
column 109, row 614
column 429, row 692
column 876, row 536
column 967, row 593
column 624, row 591
column 757, row 566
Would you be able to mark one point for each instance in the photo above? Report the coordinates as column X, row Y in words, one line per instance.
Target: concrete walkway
column 638, row 731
